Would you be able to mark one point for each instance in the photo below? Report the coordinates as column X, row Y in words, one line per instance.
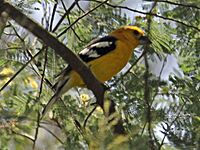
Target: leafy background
column 158, row 98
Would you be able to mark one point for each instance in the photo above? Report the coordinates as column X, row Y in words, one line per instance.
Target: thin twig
column 16, row 33
column 48, row 130
column 77, row 35
column 143, row 128
column 80, row 7
column 88, row 116
column 53, row 15
column 23, row 135
column 71, row 7
column 43, row 73
column 37, row 129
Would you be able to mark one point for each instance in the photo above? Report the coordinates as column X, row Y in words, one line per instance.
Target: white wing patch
column 101, row 44
column 84, row 51
column 91, row 52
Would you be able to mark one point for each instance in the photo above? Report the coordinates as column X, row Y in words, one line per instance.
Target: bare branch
column 37, row 129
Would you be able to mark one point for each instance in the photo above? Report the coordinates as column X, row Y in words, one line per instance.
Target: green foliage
column 171, row 109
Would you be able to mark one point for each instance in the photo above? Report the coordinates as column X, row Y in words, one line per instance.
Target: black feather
column 100, row 51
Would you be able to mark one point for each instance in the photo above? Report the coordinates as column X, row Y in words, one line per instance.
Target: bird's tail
column 61, row 87
column 67, row 80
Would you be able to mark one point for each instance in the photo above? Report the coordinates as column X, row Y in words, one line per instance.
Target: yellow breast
column 109, row 65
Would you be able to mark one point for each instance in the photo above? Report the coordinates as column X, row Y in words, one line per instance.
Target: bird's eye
column 136, row 33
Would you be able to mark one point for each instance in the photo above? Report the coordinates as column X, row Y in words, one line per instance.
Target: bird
column 105, row 57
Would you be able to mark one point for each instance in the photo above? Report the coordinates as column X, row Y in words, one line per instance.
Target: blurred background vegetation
column 158, row 98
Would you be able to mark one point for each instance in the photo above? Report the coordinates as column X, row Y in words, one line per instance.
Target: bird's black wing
column 98, row 48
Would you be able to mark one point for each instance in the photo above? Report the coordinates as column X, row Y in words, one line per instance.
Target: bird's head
column 132, row 35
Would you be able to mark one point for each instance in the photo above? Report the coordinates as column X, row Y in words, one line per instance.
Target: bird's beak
column 144, row 40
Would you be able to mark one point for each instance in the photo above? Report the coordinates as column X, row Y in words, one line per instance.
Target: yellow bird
column 105, row 57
